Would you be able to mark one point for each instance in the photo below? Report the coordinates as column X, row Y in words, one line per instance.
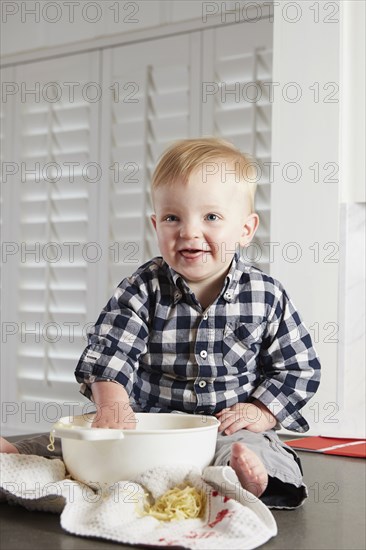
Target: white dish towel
column 234, row 518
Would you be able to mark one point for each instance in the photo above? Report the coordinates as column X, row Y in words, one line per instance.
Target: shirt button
column 205, row 316
column 203, row 354
column 202, row 383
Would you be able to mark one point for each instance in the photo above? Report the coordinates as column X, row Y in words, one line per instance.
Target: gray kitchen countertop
column 332, row 518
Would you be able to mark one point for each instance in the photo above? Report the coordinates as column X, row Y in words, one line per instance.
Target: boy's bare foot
column 249, row 468
column 6, row 447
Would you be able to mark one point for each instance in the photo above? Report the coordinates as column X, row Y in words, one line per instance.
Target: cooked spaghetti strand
column 177, row 504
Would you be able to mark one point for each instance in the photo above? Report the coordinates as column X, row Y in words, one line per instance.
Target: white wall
column 305, row 213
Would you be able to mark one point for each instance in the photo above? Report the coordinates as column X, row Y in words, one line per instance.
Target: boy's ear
column 153, row 220
column 249, row 228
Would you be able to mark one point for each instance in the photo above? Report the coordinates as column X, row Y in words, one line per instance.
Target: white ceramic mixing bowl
column 95, row 455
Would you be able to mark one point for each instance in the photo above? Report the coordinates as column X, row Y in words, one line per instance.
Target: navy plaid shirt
column 155, row 339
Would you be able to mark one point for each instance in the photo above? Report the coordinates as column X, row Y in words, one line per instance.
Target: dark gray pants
column 285, row 484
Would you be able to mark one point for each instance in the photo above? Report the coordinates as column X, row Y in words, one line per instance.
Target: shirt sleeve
column 289, row 364
column 117, row 339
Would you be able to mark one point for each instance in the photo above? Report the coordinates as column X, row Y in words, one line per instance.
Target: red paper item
column 330, row 446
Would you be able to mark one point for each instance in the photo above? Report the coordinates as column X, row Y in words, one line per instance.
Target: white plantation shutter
column 237, row 66
column 154, row 102
column 8, row 220
column 125, row 153
column 57, row 220
column 6, row 76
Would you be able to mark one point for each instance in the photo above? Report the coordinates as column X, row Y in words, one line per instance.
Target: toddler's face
column 200, row 224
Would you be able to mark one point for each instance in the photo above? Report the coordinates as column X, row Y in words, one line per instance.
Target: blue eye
column 212, row 217
column 171, row 218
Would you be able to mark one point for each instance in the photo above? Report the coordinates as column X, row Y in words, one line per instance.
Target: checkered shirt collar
column 232, row 279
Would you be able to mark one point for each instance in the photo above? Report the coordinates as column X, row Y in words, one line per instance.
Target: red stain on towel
column 222, row 514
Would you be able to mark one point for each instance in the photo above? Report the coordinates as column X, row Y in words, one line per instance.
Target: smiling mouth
column 192, row 252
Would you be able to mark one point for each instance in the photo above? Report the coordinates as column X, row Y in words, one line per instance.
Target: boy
column 199, row 331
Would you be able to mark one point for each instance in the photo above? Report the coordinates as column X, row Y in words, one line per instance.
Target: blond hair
column 186, row 155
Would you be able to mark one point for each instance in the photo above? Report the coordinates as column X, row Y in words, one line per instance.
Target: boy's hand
column 254, row 417
column 113, row 407
column 117, row 415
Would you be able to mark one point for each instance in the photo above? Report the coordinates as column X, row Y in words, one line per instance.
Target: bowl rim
column 214, row 423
